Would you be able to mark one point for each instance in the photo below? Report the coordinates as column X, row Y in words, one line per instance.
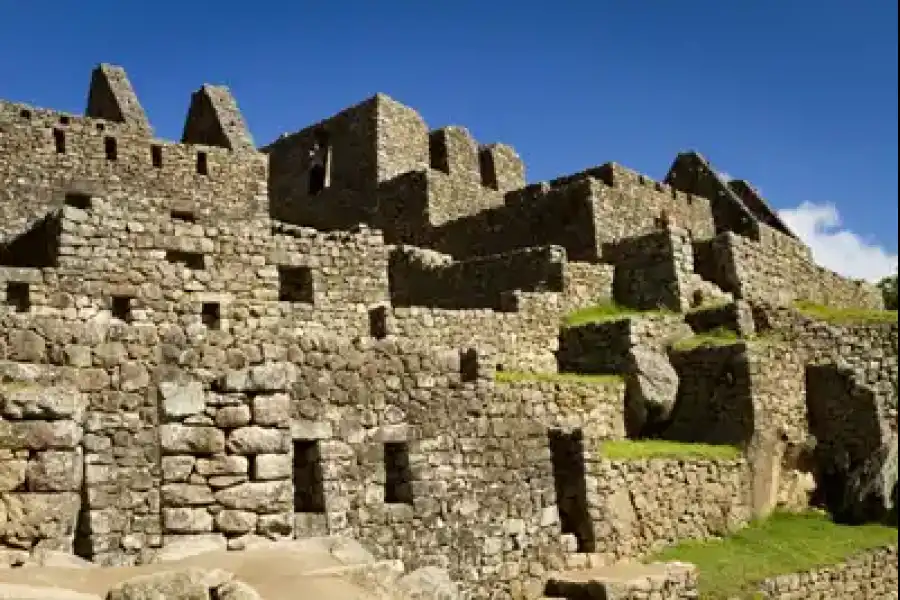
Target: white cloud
column 841, row 250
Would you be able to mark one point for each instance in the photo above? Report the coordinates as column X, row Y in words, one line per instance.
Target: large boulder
column 428, row 583
column 870, row 493
column 184, row 584
column 651, row 388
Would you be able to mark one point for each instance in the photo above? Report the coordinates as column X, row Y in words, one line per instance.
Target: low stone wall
column 426, row 278
column 652, row 271
column 781, row 275
column 656, row 581
column 867, row 576
column 603, row 347
column 644, row 505
column 586, row 284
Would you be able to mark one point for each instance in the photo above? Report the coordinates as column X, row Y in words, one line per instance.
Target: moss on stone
column 517, row 376
column 782, row 544
column 606, row 312
column 717, row 337
column 646, row 449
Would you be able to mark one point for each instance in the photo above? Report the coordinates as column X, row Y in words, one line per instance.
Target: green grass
column 782, row 544
column 717, row 337
column 516, row 376
column 645, row 449
column 606, row 312
column 845, row 316
column 710, row 305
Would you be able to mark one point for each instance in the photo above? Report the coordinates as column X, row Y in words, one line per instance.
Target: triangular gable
column 111, row 97
column 214, row 120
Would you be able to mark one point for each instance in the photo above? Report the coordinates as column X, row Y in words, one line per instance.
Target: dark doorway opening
column 82, row 546
column 567, row 456
column 398, row 475
column 309, row 488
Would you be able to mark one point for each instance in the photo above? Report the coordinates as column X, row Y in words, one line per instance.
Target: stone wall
column 652, row 271
column 870, row 574
column 664, row 581
column 426, row 278
column 715, row 396
column 603, row 347
column 644, row 505
column 586, row 284
column 780, row 273
column 41, row 441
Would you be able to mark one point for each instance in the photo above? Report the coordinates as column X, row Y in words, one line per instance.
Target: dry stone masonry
column 356, row 331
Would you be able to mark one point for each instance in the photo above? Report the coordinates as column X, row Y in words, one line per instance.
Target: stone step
column 622, row 579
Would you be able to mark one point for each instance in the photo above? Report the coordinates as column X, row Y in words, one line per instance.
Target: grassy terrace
column 784, row 543
column 716, row 337
column 846, row 316
column 645, row 449
column 517, row 376
column 606, row 313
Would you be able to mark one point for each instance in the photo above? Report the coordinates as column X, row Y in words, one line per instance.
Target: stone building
column 356, row 330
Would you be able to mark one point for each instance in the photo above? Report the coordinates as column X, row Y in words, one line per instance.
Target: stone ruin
column 356, row 331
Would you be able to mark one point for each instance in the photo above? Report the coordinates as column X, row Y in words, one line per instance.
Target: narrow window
column 309, row 489
column 202, row 166
column 468, row 364
column 18, row 295
column 101, row 126
column 25, row 113
column 64, row 120
column 192, row 260
column 378, row 327
column 59, row 140
column 121, row 308
column 111, row 148
column 398, row 476
column 211, row 315
column 156, row 156
column 183, row 215
column 319, row 163
column 77, row 200
column 295, row 284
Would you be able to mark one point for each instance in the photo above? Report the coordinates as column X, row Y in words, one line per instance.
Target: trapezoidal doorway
column 567, row 457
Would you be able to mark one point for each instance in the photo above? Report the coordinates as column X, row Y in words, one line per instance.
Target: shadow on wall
column 567, row 455
column 844, row 419
column 714, row 404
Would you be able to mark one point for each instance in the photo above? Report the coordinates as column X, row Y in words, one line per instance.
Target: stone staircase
column 625, row 581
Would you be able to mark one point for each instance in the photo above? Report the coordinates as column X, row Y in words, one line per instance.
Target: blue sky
column 799, row 97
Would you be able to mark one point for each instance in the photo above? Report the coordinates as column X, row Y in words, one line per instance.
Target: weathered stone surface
column 652, row 385
column 181, row 400
column 37, row 402
column 262, row 496
column 182, row 439
column 187, row 584
column 871, row 489
column 258, row 440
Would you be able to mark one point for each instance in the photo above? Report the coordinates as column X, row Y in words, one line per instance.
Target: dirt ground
column 277, row 574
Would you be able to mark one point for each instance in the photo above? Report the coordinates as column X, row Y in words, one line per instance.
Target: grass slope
column 646, row 449
column 782, row 544
column 605, row 313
